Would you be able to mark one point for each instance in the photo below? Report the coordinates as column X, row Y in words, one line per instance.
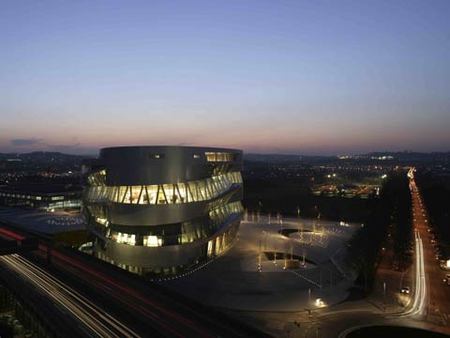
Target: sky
column 294, row 77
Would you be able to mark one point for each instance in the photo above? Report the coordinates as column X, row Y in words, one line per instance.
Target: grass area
column 287, row 196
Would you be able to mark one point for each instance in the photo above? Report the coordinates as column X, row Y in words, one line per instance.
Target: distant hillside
column 284, row 158
column 405, row 156
column 42, row 156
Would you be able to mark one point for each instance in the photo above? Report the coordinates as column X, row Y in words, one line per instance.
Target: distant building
column 48, row 197
column 163, row 209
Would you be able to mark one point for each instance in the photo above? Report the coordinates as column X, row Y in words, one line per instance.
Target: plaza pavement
column 232, row 281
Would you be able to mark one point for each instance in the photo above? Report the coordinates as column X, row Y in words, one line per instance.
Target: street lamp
column 264, row 233
column 259, row 268
column 319, row 302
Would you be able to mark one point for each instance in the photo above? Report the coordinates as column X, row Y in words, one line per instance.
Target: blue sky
column 309, row 77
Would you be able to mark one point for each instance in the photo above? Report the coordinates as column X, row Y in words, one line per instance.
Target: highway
column 96, row 321
column 429, row 306
column 151, row 308
column 82, row 287
column 418, row 303
column 125, row 297
column 436, row 307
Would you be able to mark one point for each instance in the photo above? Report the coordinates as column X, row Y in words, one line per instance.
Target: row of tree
column 435, row 190
column 391, row 214
column 402, row 231
column 286, row 196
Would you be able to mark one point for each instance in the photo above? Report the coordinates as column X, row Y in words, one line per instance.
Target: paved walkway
column 234, row 282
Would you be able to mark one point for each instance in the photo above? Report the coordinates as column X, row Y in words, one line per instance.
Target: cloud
column 21, row 142
column 37, row 144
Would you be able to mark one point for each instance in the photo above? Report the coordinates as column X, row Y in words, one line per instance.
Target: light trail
column 11, row 234
column 100, row 323
column 132, row 298
column 420, row 295
column 419, row 301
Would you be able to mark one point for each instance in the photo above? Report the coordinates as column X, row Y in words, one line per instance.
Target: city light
column 228, row 169
column 319, row 303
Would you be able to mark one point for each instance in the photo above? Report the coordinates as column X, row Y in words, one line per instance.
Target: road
column 428, row 308
column 83, row 287
column 125, row 297
column 140, row 304
column 96, row 322
column 417, row 306
column 437, row 302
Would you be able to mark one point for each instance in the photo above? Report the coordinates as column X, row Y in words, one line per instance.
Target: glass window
column 190, row 190
column 161, row 196
column 152, row 241
column 187, row 192
column 210, row 248
column 152, row 190
column 125, row 238
column 181, row 192
column 127, row 196
column 135, row 194
column 169, row 190
column 121, row 193
column 156, row 156
column 219, row 156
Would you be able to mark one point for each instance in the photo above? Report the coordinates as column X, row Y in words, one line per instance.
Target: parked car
column 446, row 280
column 405, row 289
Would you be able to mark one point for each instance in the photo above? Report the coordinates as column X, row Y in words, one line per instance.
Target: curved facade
column 163, row 209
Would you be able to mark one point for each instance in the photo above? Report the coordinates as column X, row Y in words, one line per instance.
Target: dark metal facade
column 163, row 209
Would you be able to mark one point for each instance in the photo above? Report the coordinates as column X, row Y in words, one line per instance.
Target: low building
column 48, row 197
column 163, row 209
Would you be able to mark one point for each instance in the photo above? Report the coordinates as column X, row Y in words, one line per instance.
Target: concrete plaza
column 275, row 265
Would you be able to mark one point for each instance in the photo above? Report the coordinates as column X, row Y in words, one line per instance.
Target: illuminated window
column 219, row 156
column 121, row 194
column 135, row 192
column 152, row 241
column 124, row 238
column 100, row 220
column 161, row 196
column 97, row 178
column 210, row 248
column 193, row 191
column 151, row 191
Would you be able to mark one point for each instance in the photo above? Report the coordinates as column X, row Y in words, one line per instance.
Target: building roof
column 42, row 222
column 41, row 189
column 169, row 147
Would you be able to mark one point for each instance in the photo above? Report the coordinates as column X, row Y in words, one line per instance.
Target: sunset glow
column 318, row 77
